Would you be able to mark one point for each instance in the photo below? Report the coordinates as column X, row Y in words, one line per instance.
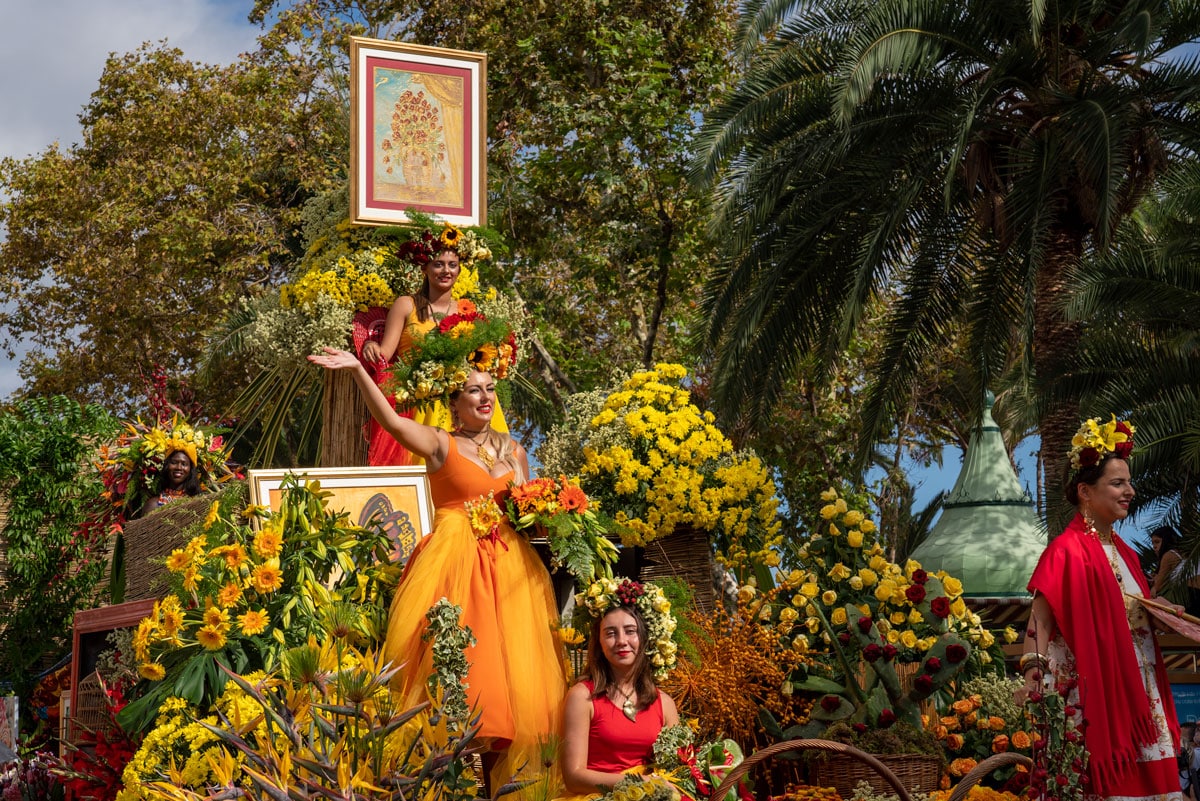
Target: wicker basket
column 686, row 555
column 983, row 769
column 890, row 781
column 919, row 773
column 91, row 710
column 149, row 540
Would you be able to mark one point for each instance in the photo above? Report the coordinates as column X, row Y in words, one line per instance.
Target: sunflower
column 451, row 236
column 152, row 671
column 268, row 543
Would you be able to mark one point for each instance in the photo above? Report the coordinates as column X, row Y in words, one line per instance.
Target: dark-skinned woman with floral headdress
column 1089, row 638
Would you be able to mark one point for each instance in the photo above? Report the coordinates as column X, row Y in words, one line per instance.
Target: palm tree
column 961, row 156
column 1149, row 363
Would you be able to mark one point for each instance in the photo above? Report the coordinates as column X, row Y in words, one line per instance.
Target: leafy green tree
column 121, row 251
column 964, row 156
column 52, row 563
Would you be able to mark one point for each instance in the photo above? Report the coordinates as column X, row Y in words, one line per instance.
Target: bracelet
column 1032, row 660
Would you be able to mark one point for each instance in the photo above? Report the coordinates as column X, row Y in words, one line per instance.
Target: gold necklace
column 629, row 707
column 483, row 453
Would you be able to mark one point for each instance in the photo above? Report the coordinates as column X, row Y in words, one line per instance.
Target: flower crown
column 648, row 599
column 426, row 244
column 131, row 465
column 440, row 362
column 1093, row 441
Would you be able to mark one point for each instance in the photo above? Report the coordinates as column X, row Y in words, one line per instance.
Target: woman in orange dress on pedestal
column 517, row 678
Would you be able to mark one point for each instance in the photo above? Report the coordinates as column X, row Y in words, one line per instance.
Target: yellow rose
column 1010, row 634
column 813, row 624
column 839, row 572
column 869, row 577
column 828, row 511
column 885, row 590
column 958, row 608
column 908, row 639
column 986, row 639
column 839, row 616
column 852, row 518
column 793, row 580
column 893, row 636
column 914, row 617
column 952, row 586
column 788, row 615
column 856, row 583
column 829, row 597
column 810, row 590
column 854, row 538
column 867, row 526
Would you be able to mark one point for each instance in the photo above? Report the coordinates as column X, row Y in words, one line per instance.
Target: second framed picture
column 397, row 498
column 418, row 142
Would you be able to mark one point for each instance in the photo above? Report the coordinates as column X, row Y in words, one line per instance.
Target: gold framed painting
column 417, row 141
column 397, row 497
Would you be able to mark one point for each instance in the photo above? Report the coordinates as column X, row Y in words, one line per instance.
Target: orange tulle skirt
column 517, row 676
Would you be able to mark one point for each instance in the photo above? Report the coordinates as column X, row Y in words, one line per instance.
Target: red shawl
column 1076, row 579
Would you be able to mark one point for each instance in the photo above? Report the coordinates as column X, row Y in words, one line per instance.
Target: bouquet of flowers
column 657, row 462
column 697, row 771
column 1060, row 758
column 869, row 615
column 637, row 788
column 562, row 512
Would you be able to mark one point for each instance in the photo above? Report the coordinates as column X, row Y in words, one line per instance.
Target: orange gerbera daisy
column 573, row 499
column 267, row 577
column 253, row 621
column 230, row 594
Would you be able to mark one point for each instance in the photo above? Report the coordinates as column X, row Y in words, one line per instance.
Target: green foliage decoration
column 52, row 561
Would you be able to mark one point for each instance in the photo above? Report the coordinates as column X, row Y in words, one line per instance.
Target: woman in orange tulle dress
column 517, row 678
column 410, row 318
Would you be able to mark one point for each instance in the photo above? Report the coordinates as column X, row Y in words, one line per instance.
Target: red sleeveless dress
column 616, row 743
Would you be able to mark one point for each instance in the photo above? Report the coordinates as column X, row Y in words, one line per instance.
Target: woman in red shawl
column 1084, row 627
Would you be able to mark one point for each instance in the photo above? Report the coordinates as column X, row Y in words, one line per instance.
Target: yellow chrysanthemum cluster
column 351, row 287
column 183, row 751
column 670, row 466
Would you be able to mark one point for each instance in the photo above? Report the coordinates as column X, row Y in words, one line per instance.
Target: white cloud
column 54, row 51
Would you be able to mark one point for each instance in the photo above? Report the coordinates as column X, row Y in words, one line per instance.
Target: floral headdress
column 131, row 466
column 440, row 362
column 469, row 246
column 1093, row 441
column 648, row 599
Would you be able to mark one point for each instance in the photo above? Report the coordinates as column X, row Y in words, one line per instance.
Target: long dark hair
column 600, row 672
column 191, row 484
column 1170, row 539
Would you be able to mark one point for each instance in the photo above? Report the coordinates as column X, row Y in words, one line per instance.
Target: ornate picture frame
column 397, row 496
column 418, row 139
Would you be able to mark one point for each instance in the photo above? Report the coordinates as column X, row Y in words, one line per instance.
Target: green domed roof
column 988, row 534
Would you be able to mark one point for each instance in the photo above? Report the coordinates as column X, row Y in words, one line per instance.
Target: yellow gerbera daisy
column 178, row 561
column 152, row 671
column 268, row 543
column 211, row 637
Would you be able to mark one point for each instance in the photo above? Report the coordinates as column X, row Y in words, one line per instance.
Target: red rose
column 1088, row 457
column 955, row 653
column 940, row 606
column 1061, row 780
column 844, row 637
column 889, row 652
column 920, row 576
column 859, row 728
column 830, row 703
column 1123, row 449
column 886, row 718
column 864, row 624
column 923, row 684
column 915, row 593
column 933, row 664
column 872, row 652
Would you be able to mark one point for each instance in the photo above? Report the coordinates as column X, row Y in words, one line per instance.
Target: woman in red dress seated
column 614, row 714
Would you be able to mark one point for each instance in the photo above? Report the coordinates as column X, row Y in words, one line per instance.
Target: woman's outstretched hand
column 334, row 359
